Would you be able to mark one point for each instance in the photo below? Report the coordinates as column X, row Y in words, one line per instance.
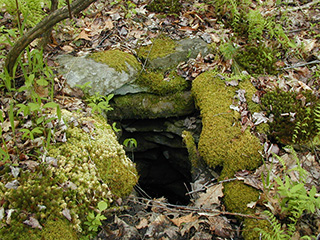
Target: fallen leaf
column 142, row 224
column 12, row 185
column 184, row 219
column 32, row 222
column 109, row 24
column 84, row 35
column 221, row 227
column 211, row 197
column 66, row 213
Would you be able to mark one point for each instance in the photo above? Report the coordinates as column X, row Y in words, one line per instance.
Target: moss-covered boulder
column 222, row 143
column 151, row 106
column 165, row 53
column 107, row 70
column 61, row 189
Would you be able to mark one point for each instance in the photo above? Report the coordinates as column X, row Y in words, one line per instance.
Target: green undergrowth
column 222, row 143
column 293, row 115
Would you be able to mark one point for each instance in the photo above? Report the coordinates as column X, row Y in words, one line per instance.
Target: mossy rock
column 165, row 53
column 162, row 85
column 222, row 143
column 121, row 61
column 293, row 115
column 160, row 47
column 151, row 106
column 165, row 6
column 89, row 167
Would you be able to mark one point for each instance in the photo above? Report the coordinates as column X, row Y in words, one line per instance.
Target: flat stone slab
column 104, row 79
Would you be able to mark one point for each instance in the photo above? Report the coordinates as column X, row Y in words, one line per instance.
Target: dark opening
column 161, row 157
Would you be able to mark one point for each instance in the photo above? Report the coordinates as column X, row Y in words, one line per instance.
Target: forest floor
column 126, row 25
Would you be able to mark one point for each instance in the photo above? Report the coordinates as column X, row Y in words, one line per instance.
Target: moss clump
column 121, row 61
column 165, row 6
column 161, row 85
column 91, row 166
column 252, row 226
column 160, row 47
column 221, row 142
column 58, row 229
column 151, row 106
column 293, row 115
column 257, row 59
column 237, row 196
column 192, row 148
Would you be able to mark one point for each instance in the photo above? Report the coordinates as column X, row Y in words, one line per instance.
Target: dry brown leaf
column 142, row 224
column 220, row 226
column 67, row 48
column 211, row 197
column 109, row 24
column 184, row 219
column 84, row 35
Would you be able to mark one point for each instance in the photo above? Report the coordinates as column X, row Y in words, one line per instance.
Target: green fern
column 276, row 233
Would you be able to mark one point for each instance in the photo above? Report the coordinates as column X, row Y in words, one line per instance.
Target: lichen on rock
column 89, row 167
column 222, row 143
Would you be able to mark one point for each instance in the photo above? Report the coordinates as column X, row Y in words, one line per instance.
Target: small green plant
column 294, row 201
column 94, row 219
column 130, row 144
column 99, row 103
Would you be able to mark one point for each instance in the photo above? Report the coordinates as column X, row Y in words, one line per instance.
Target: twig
column 210, row 184
column 308, row 5
column 301, row 64
column 170, row 206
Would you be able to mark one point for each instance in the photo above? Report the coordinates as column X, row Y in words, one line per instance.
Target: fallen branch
column 301, row 64
column 47, row 23
column 169, row 206
column 308, row 5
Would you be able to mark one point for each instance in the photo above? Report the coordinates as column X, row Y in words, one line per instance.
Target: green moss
column 159, row 84
column 117, row 59
column 237, row 195
column 300, row 126
column 257, row 59
column 58, row 229
column 221, row 142
column 160, row 47
column 151, row 106
column 167, row 6
column 251, row 226
column 91, row 166
column 192, row 148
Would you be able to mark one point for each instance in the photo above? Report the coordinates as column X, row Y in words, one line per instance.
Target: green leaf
column 42, row 82
column 50, row 105
column 34, row 106
column 102, row 205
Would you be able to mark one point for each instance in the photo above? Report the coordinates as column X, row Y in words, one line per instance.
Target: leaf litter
column 105, row 27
